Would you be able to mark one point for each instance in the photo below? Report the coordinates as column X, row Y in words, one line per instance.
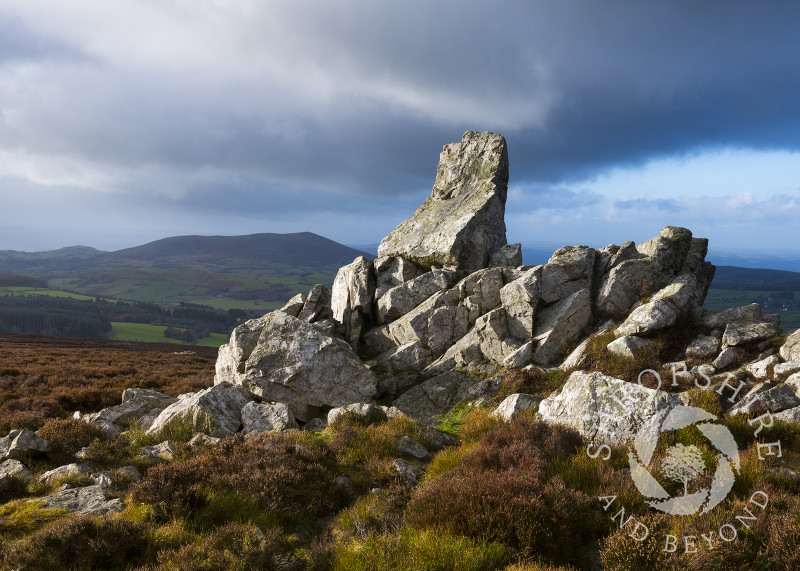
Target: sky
column 129, row 121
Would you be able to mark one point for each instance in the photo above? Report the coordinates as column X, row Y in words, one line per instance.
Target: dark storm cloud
column 258, row 109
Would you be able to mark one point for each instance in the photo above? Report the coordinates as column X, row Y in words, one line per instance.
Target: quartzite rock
column 515, row 404
column 293, row 362
column 520, row 298
column 11, row 470
column 790, row 350
column 462, row 223
column 316, row 305
column 509, row 256
column 262, row 417
column 70, row 470
column 560, row 324
column 703, row 347
column 745, row 314
column 393, row 271
column 604, row 409
column 216, row 411
column 369, row 412
column 737, row 333
column 628, row 346
column 663, row 310
column 434, row 396
column 569, row 270
column 351, row 300
column 405, row 297
column 136, row 403
column 89, row 500
column 669, row 249
column 21, row 443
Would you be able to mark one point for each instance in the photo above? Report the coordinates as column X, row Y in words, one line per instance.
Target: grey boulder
column 604, row 409
column 263, row 417
column 21, row 443
column 217, row 411
column 11, row 470
column 288, row 360
column 89, row 500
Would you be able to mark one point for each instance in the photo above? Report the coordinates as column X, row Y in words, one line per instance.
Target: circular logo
column 683, row 463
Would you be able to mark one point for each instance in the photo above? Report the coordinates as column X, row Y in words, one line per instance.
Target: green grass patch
column 28, row 291
column 423, row 551
column 123, row 331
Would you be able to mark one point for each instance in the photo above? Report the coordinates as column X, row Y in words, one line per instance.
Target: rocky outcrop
column 462, row 223
column 447, row 293
column 790, row 350
column 216, row 411
column 136, row 405
column 280, row 358
column 604, row 409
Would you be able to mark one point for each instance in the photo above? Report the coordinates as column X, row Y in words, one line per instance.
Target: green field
column 264, row 289
column 42, row 291
column 719, row 299
column 155, row 334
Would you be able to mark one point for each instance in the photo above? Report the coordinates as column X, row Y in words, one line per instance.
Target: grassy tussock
column 421, row 550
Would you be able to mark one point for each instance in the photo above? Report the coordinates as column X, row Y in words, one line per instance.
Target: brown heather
column 43, row 378
column 502, row 492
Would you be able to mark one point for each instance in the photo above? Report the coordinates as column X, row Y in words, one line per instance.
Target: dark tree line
column 41, row 315
column 67, row 317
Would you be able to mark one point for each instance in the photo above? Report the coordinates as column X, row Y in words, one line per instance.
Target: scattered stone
column 290, row 361
column 788, row 415
column 790, row 350
column 21, row 443
column 346, row 483
column 558, row 325
column 129, row 473
column 162, row 451
column 784, row 370
column 703, row 347
column 405, row 297
column 261, row 417
column 371, row 413
column 760, row 369
column 202, row 439
column 663, row 310
column 315, row 425
column 604, row 409
column 466, row 208
column 83, row 454
column 216, row 411
column 516, row 404
column 746, row 314
column 103, row 479
column 136, row 403
column 408, row 471
column 391, row 412
column 737, row 334
column 11, row 470
column 70, row 470
column 439, row 439
column 628, row 346
column 776, row 399
column 727, row 357
column 88, row 500
column 408, row 445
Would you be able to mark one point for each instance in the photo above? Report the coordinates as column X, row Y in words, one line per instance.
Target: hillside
column 217, row 253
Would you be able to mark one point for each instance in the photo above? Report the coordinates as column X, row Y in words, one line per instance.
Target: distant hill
column 733, row 277
column 215, row 253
